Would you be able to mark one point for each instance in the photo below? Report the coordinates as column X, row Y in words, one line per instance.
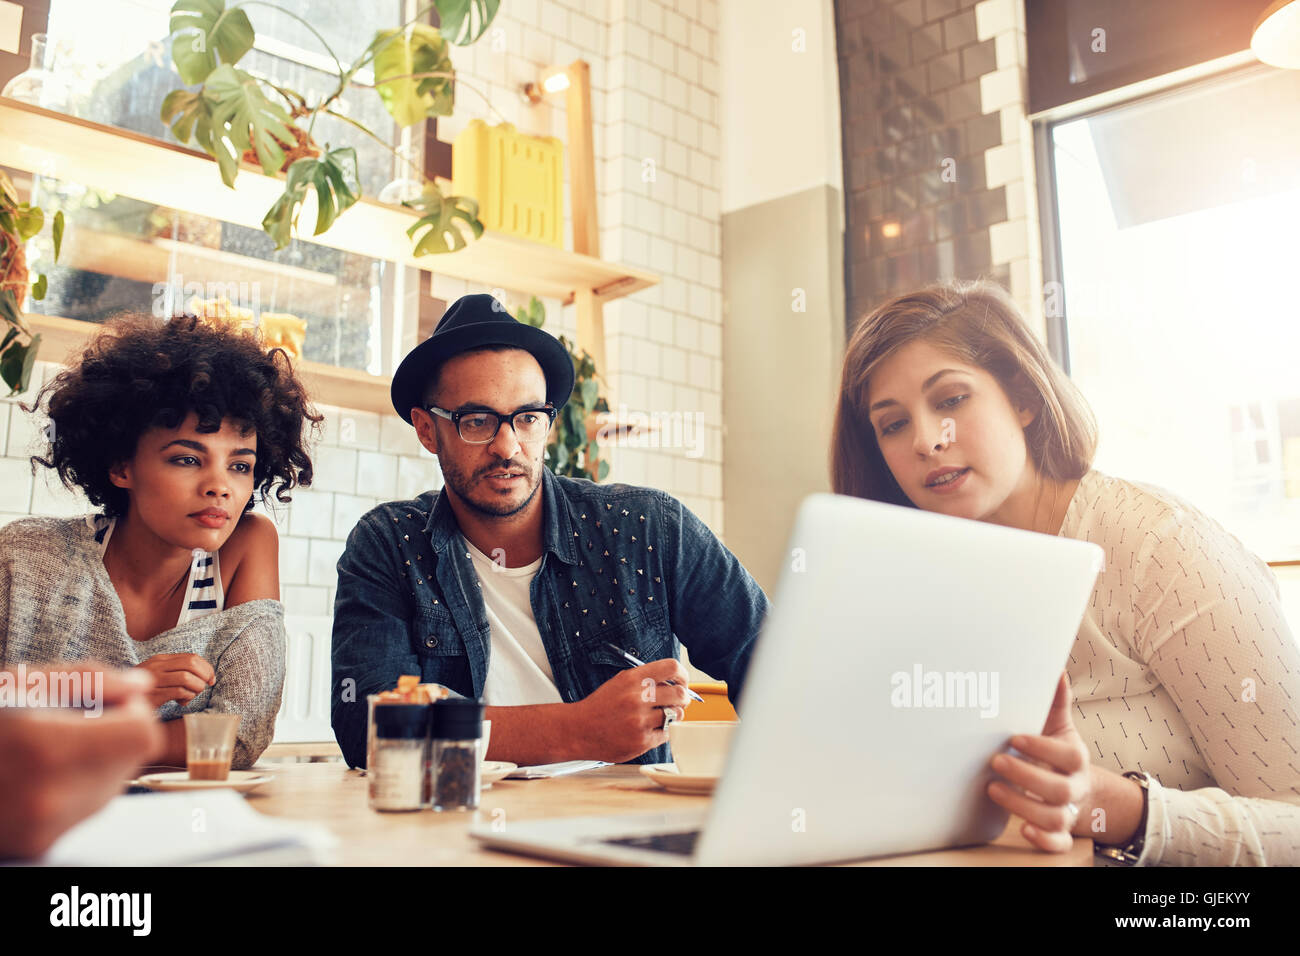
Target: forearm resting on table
column 173, row 752
column 533, row 734
column 1121, row 800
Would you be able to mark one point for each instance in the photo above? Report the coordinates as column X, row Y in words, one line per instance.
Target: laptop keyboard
column 681, row 843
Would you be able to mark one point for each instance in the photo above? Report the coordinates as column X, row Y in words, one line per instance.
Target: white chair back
column 304, row 715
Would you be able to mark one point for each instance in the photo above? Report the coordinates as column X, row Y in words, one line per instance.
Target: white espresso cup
column 700, row 746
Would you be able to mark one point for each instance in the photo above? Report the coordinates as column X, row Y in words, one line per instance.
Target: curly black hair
column 139, row 373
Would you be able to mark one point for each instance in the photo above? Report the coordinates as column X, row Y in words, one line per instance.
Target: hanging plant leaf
column 242, row 117
column 534, row 313
column 203, row 31
column 419, row 49
column 28, row 221
column 183, row 111
column 16, row 365
column 602, row 471
column 9, row 311
column 590, row 392
column 463, row 21
column 445, row 219
column 8, row 191
column 57, row 232
column 337, row 185
column 39, row 287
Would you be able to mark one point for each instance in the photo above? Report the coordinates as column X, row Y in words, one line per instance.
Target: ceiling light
column 1276, row 40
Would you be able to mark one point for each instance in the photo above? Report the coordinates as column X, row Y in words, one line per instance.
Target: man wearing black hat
column 523, row 589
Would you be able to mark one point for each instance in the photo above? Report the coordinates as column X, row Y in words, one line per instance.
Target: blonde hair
column 979, row 324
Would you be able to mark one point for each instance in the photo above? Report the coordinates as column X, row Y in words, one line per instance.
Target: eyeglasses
column 479, row 427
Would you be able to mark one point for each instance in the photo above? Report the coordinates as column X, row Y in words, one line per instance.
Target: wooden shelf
column 150, row 260
column 79, row 151
column 327, row 384
column 74, row 150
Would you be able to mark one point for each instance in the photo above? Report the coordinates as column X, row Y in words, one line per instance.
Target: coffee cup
column 700, row 746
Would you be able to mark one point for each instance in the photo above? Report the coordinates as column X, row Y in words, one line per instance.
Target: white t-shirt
column 518, row 669
column 1184, row 667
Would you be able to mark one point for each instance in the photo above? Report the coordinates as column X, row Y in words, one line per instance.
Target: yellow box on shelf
column 517, row 179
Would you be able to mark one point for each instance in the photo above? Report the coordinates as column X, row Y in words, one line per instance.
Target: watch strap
column 1131, row 852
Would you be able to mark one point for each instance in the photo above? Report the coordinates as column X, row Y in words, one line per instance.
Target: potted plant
column 235, row 115
column 18, row 223
column 573, row 451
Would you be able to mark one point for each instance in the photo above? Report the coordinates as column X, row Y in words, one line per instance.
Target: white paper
column 169, row 829
column 540, row 771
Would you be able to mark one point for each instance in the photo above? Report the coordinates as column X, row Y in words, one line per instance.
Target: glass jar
column 397, row 765
column 40, row 84
column 456, row 754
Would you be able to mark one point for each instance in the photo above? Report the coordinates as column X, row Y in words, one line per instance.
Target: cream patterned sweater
column 1184, row 667
column 58, row 604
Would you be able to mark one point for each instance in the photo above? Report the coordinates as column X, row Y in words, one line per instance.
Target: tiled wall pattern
column 654, row 75
column 930, row 93
column 1015, row 243
column 654, row 72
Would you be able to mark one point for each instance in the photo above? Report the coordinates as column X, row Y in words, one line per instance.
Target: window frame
column 1042, row 124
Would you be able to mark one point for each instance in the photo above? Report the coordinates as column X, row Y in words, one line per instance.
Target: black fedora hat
column 470, row 322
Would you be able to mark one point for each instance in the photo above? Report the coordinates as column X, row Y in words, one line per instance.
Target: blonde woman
column 1175, row 736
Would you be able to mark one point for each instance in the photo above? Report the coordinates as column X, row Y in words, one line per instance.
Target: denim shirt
column 620, row 564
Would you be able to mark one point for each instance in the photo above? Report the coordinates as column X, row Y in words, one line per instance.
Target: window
column 116, row 60
column 1178, row 257
column 114, row 66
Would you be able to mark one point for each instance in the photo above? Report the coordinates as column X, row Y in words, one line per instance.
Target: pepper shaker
column 457, row 741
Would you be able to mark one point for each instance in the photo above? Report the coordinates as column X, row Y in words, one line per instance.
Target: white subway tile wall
column 1015, row 242
column 655, row 81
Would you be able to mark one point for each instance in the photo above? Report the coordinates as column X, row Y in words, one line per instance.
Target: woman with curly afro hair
column 173, row 430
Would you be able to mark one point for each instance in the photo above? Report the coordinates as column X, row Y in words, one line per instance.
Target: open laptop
column 903, row 649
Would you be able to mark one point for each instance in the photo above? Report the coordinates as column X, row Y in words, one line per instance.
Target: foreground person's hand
column 624, row 717
column 1048, row 790
column 58, row 766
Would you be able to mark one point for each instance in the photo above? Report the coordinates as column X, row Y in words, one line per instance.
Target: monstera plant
column 237, row 116
column 572, row 450
column 18, row 223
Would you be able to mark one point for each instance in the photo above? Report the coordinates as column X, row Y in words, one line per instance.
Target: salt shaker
column 396, row 769
column 457, row 741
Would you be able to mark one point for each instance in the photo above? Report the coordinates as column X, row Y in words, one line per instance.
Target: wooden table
column 336, row 798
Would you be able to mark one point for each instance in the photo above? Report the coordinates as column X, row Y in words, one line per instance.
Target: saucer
column 673, row 780
column 494, row 770
column 240, row 780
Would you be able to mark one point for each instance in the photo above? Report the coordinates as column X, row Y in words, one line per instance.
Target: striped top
column 203, row 592
column 1185, row 667
column 57, row 603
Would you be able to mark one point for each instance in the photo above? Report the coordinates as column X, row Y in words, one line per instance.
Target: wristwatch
column 1129, row 854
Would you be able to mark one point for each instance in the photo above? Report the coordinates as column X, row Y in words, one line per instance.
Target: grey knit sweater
column 58, row 604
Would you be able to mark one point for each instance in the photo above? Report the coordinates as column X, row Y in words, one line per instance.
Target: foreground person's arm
column 57, row 767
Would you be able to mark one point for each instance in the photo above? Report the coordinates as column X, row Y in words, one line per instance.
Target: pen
column 636, row 663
